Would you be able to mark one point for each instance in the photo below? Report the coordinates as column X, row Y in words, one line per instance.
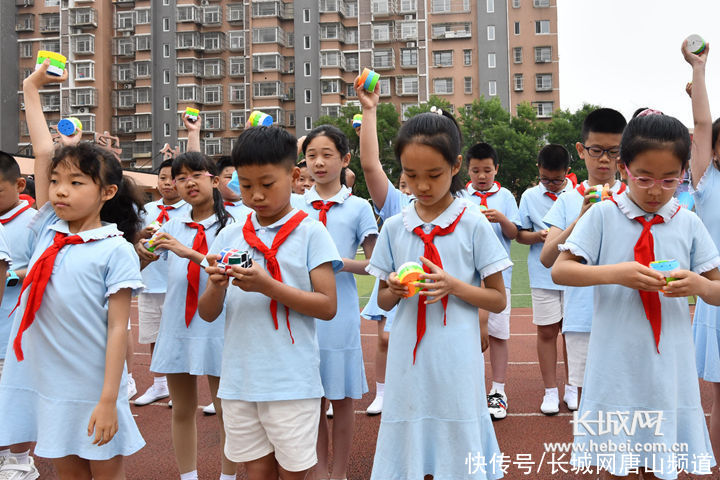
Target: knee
column 547, row 333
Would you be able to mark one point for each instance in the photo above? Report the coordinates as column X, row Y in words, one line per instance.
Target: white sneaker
column 152, row 394
column 571, row 397
column 132, row 388
column 11, row 470
column 329, row 412
column 209, row 409
column 550, row 404
column 376, row 406
column 497, row 405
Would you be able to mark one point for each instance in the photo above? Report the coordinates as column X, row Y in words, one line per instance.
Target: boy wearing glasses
column 600, row 149
column 500, row 208
column 547, row 298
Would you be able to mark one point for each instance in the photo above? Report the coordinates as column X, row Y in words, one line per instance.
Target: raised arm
column 702, row 147
column 375, row 177
column 193, row 129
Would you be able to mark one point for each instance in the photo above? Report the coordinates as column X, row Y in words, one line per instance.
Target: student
column 705, row 176
column 600, row 150
column 67, row 399
column 641, row 364
column 351, row 224
column 433, row 413
column 305, row 180
column 155, row 275
column 231, row 199
column 500, row 208
column 547, row 297
column 270, row 385
column 187, row 346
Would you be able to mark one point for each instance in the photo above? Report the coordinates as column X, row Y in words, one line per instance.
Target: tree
column 388, row 124
column 565, row 129
column 434, row 101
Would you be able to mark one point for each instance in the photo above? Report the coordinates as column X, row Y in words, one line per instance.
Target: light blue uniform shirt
column 238, row 211
column 49, row 396
column 442, row 395
column 534, row 204
column 17, row 236
column 260, row 363
column 504, row 202
column 624, row 371
column 155, row 275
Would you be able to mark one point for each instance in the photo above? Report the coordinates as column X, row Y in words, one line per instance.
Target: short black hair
column 655, row 132
column 264, row 146
column 302, row 164
column 603, row 120
column 554, row 157
column 224, row 162
column 9, row 168
column 481, row 151
column 165, row 164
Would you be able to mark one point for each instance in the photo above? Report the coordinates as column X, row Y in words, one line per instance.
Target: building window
column 441, row 6
column 269, row 62
column 142, row 16
column 490, row 6
column 236, row 40
column 166, row 77
column 142, row 43
column 213, row 121
column 237, row 94
column 491, row 60
column 307, row 69
column 543, row 82
column 491, row 32
column 143, row 95
column 52, row 45
column 186, row 66
column 84, row 44
column 213, row 146
column 542, row 27
column 543, row 54
column 406, row 85
column 212, row 41
column 468, row 85
column 308, row 123
column 212, row 94
column 166, row 24
column 52, row 3
column 351, row 35
column 384, row 85
column 84, row 70
column 515, row 3
column 516, row 28
column 143, row 69
column 408, row 57
column 443, row 58
column 518, row 82
column 517, row 55
column 381, row 32
column 237, row 120
column 26, row 50
column 306, row 15
column 541, row 3
column 166, row 50
column 187, row 93
column 492, row 88
column 308, row 96
column 166, row 103
column 352, row 62
column 383, row 59
column 330, row 58
column 543, row 109
column 166, row 129
column 330, row 86
column 467, row 57
column 306, row 42
column 125, row 20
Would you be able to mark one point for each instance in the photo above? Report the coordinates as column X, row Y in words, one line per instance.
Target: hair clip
column 437, row 110
column 649, row 111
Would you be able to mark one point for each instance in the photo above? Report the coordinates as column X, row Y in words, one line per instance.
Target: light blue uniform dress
column 624, row 372
column 49, row 397
column 17, row 234
column 196, row 349
column 395, row 200
column 155, row 275
column 349, row 222
column 435, row 410
column 578, row 301
column 260, row 363
column 706, row 323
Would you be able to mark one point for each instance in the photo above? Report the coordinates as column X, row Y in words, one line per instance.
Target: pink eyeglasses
column 647, row 182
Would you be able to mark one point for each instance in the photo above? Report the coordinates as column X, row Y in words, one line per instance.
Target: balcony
column 451, row 31
column 212, row 15
column 25, row 23
column 49, row 22
column 83, row 97
column 236, row 14
column 123, row 124
column 123, row 73
column 383, row 8
column 83, row 17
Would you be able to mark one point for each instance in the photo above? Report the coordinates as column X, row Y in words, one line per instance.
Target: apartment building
column 137, row 64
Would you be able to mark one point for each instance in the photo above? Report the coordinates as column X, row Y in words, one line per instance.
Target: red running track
column 521, row 434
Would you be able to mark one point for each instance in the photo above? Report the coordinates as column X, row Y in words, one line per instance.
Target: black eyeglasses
column 548, row 181
column 594, row 151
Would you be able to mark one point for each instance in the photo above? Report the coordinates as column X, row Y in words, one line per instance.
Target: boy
column 305, row 181
column 600, row 149
column 231, row 199
column 150, row 301
column 15, row 215
column 547, row 297
column 500, row 208
column 270, row 384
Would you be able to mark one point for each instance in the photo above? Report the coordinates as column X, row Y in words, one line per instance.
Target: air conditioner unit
column 127, row 34
column 82, row 110
column 75, row 31
column 209, row 135
column 411, row 44
column 410, row 17
column 127, row 86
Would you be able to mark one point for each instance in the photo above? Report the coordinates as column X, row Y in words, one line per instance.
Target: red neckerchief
column 484, row 195
column 164, row 209
column 271, row 263
column 228, row 204
column 27, row 198
column 553, row 196
column 4, row 221
column 193, row 273
column 432, row 254
column 37, row 279
column 324, row 207
column 581, row 189
column 573, row 179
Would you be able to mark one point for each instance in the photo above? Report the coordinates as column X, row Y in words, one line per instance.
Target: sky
column 625, row 54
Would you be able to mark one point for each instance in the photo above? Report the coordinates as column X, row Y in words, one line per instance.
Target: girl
column 186, row 345
column 66, row 363
column 640, row 359
column 351, row 223
column 435, row 410
column 705, row 176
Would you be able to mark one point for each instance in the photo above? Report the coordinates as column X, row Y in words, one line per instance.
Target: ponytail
column 123, row 209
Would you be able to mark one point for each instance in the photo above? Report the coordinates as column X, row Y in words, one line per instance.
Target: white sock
column 22, row 458
column 189, row 475
column 160, row 382
column 380, row 389
column 224, row 476
column 498, row 387
column 551, row 391
column 571, row 388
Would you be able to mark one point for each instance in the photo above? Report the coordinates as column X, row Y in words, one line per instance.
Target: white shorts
column 149, row 315
column 499, row 323
column 577, row 351
column 289, row 428
column 547, row 306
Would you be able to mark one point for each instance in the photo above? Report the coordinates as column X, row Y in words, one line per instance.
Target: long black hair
column 342, row 144
column 105, row 170
column 197, row 162
column 654, row 132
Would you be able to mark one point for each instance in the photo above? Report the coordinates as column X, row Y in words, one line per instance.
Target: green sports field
column 520, row 282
